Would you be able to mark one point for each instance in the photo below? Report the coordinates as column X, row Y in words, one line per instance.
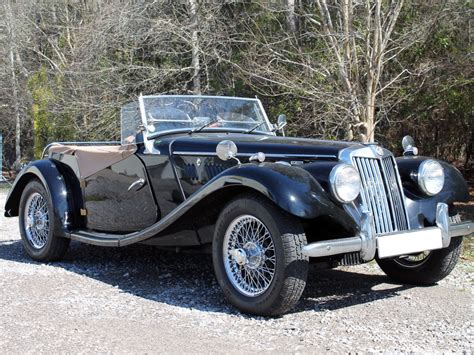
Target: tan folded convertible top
column 93, row 158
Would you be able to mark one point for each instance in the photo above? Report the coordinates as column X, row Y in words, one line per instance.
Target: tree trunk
column 14, row 81
column 291, row 18
column 195, row 61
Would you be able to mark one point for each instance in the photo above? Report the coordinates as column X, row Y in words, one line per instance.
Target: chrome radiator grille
column 381, row 193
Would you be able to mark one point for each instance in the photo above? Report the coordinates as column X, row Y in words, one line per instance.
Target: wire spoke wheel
column 36, row 220
column 249, row 255
column 412, row 261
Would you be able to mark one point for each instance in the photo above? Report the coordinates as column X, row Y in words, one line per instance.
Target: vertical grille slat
column 370, row 193
column 394, row 196
column 376, row 194
column 381, row 193
column 393, row 204
column 395, row 193
column 381, row 196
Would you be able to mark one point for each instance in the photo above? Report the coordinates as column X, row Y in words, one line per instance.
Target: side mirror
column 408, row 144
column 281, row 122
column 226, row 150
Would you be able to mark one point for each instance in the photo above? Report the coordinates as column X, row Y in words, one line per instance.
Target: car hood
column 247, row 144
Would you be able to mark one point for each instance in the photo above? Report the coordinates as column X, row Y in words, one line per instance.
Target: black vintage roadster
column 203, row 171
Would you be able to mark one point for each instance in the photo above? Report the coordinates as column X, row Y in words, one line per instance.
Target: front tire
column 257, row 255
column 37, row 224
column 425, row 268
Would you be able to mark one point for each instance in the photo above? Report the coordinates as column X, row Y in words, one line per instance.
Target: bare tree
column 12, row 43
column 333, row 65
column 291, row 16
column 338, row 60
column 193, row 12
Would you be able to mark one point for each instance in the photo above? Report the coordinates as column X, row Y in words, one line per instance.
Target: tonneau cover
column 93, row 158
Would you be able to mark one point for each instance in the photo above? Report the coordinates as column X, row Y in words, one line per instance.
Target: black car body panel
column 111, row 206
column 180, row 175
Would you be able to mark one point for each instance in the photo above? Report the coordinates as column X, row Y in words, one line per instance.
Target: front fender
column 421, row 207
column 56, row 178
column 291, row 188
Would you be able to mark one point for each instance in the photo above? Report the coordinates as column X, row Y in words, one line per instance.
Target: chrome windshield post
column 148, row 143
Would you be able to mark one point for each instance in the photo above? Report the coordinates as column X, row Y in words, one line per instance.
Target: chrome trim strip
column 201, row 97
column 270, row 155
column 175, row 171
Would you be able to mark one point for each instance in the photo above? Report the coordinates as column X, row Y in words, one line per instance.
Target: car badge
column 378, row 150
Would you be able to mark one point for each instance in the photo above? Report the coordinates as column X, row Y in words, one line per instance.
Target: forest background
column 343, row 69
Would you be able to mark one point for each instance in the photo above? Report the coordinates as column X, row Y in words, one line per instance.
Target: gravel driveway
column 140, row 299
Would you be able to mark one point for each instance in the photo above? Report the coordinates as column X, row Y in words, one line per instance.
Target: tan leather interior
column 93, row 158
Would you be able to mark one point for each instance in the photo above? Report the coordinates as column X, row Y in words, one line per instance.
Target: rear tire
column 433, row 267
column 257, row 255
column 37, row 224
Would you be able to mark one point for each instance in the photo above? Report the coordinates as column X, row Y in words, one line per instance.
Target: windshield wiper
column 254, row 127
column 207, row 124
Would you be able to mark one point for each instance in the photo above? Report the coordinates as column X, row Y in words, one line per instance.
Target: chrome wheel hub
column 36, row 219
column 249, row 255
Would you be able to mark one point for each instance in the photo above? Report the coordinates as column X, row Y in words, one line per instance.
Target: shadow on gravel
column 187, row 280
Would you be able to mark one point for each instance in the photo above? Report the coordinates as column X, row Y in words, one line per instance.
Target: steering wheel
column 187, row 103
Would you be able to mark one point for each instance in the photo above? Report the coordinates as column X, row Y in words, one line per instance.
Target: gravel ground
column 140, row 299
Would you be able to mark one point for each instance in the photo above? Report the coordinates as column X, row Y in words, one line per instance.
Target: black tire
column 54, row 247
column 290, row 268
column 434, row 267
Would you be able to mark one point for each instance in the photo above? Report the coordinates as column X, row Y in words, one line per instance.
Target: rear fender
column 61, row 184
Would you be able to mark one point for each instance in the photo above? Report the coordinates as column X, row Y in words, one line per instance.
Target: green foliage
column 47, row 127
column 41, row 95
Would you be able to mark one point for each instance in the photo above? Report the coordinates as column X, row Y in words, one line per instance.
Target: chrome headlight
column 430, row 177
column 345, row 183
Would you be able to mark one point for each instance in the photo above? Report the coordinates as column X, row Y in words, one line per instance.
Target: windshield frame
column 152, row 135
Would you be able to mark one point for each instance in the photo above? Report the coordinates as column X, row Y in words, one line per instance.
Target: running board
column 94, row 238
column 120, row 240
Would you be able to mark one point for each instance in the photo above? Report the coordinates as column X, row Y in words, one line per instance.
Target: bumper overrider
column 394, row 244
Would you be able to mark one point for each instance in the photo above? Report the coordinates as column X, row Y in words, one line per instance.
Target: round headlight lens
column 430, row 177
column 345, row 183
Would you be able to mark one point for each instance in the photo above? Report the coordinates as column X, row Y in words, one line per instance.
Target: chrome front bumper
column 393, row 244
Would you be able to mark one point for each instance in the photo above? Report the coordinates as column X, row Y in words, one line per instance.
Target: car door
column 119, row 198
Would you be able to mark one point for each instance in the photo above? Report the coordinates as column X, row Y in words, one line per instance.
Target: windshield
column 171, row 113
